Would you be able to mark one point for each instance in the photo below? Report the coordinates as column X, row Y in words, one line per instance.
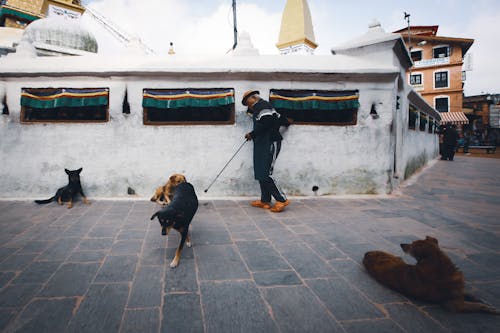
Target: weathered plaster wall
column 419, row 148
column 125, row 153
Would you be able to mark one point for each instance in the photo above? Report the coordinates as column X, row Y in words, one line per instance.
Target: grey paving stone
column 356, row 251
column 276, row 278
column 147, row 288
column 324, row 248
column 117, row 269
column 35, row 246
column 5, row 252
column 153, row 256
column 412, row 319
column 141, row 320
column 129, row 246
column 357, row 275
column 182, row 278
column 70, row 280
column 288, row 302
column 37, row 272
column 247, row 236
column 100, row 231
column 306, row 262
column 225, row 312
column 214, row 235
column 182, row 313
column 345, row 302
column 219, row 262
column 6, row 277
column 489, row 292
column 260, row 256
column 18, row 295
column 17, row 262
column 132, row 234
column 45, row 315
column 6, row 315
column 60, row 249
column 465, row 323
column 101, row 310
column 370, row 326
column 95, row 244
column 87, row 256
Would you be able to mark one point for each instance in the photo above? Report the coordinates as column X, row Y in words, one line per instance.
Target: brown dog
column 434, row 278
column 163, row 194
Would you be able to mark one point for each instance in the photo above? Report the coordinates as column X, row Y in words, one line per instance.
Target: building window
column 64, row 105
column 441, row 104
column 441, row 80
column 423, row 121
column 416, row 55
column 412, row 117
column 441, row 52
column 415, row 79
column 317, row 107
column 188, row 106
column 430, row 128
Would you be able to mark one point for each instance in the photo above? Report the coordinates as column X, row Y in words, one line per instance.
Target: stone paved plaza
column 104, row 267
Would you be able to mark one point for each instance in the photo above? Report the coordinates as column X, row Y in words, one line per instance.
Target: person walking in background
column 266, row 148
column 450, row 142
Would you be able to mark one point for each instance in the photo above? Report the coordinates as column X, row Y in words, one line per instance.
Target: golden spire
column 296, row 34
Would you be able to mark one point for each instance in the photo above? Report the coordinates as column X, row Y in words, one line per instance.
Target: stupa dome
column 60, row 35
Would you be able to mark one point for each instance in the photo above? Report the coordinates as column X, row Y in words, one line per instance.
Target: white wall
column 124, row 152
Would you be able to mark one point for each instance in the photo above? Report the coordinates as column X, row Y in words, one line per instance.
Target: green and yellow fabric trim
column 64, row 97
column 9, row 11
column 172, row 99
column 314, row 100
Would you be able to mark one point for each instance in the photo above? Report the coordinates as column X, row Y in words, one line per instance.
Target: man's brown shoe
column 279, row 206
column 260, row 204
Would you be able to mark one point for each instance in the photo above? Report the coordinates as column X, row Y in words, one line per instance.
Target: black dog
column 68, row 192
column 178, row 215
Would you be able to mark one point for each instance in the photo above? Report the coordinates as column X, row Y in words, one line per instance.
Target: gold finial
column 296, row 32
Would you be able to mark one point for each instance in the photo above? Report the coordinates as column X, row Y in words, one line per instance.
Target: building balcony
column 431, row 62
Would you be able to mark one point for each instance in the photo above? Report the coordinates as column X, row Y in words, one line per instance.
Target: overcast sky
column 205, row 26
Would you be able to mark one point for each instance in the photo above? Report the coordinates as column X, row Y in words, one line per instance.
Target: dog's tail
column 41, row 202
column 154, row 215
column 474, row 306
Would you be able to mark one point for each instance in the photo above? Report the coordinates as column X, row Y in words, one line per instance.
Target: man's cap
column 247, row 95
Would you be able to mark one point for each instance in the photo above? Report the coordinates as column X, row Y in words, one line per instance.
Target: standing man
column 450, row 142
column 266, row 147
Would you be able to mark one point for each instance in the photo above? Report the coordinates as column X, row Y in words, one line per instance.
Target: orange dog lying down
column 434, row 278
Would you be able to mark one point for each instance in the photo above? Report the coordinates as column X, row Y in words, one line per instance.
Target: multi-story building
column 483, row 112
column 437, row 72
column 20, row 13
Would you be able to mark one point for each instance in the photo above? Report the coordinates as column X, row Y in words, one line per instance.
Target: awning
column 170, row 99
column 315, row 100
column 457, row 117
column 64, row 97
column 17, row 13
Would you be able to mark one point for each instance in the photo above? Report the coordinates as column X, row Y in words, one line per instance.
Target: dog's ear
column 67, row 171
column 432, row 240
column 406, row 247
column 79, row 170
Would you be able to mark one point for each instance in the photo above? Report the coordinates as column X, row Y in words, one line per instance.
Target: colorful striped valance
column 314, row 100
column 170, row 99
column 64, row 97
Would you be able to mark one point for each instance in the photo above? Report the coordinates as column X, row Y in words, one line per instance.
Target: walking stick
column 225, row 166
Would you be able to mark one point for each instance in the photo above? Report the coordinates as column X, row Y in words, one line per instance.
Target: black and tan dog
column 433, row 279
column 163, row 194
column 178, row 215
column 68, row 192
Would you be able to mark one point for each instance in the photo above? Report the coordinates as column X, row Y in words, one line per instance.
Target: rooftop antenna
column 235, row 29
column 407, row 18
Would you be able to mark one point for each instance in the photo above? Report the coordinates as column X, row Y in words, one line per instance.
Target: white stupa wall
column 125, row 153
